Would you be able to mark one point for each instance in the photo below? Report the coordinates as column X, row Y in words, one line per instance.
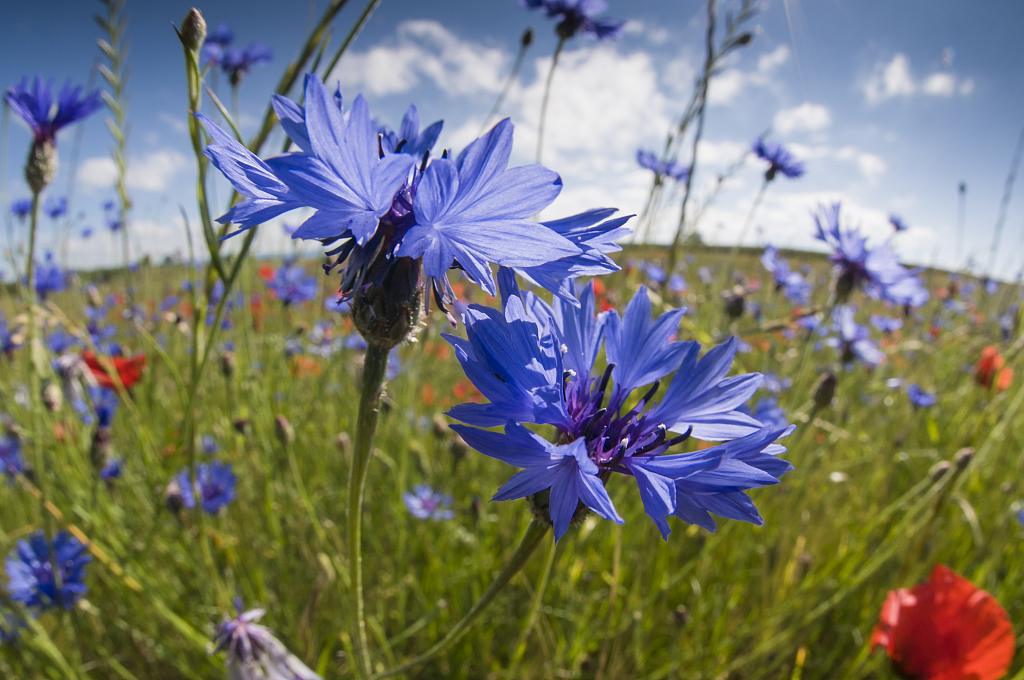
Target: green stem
column 512, row 75
column 749, row 221
column 547, row 96
column 537, row 529
column 374, row 367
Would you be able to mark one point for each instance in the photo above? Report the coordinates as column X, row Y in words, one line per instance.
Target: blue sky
column 891, row 103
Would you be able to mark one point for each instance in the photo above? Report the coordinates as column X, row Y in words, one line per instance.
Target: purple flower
column 34, row 102
column 877, row 270
column 385, row 216
column 112, row 470
column 215, row 483
column 536, row 363
column 662, row 168
column 770, row 413
column 56, row 207
column 11, row 461
column 919, row 397
column 853, row 340
column 235, row 62
column 792, row 284
column 897, row 223
column 578, row 16
column 886, row 324
column 21, row 208
column 30, row 571
column 779, row 160
column 253, row 653
column 292, row 285
column 49, row 277
column 425, row 503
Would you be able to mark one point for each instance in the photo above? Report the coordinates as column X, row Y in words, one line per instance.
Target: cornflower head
column 791, row 283
column 779, row 160
column 770, row 413
column 30, row 571
column 857, row 266
column 45, row 115
column 898, row 224
column 11, row 462
column 425, row 503
column 852, row 340
column 49, row 277
column 253, row 653
column 578, row 16
column 21, row 208
column 662, row 168
column 236, row 62
column 56, row 208
column 214, row 483
column 920, row 397
column 886, row 324
column 410, row 139
column 394, row 222
column 292, row 285
column 537, row 364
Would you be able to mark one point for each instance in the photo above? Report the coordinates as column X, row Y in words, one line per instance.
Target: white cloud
column 728, row 84
column 895, row 79
column 151, row 172
column 807, row 117
column 424, row 50
column 871, row 166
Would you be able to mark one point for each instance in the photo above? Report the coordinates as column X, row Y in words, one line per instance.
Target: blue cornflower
column 215, row 483
column 919, row 397
column 792, row 284
column 773, row 384
column 21, row 208
column 653, row 272
column 877, row 269
column 30, row 576
column 209, row 444
column 779, row 159
column 253, row 653
column 662, row 168
column 886, row 324
column 49, row 277
column 425, row 503
column 292, row 285
column 112, row 470
column 56, row 207
column 897, row 222
column 87, row 232
column 676, row 283
column 578, row 16
column 235, row 62
column 387, row 216
column 10, row 626
column 11, row 461
column 853, row 340
column 215, row 43
column 409, row 139
column 770, row 413
column 60, row 341
column 537, row 363
column 45, row 115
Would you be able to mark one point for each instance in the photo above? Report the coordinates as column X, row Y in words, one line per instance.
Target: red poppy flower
column 129, row 369
column 945, row 629
column 266, row 272
column 991, row 369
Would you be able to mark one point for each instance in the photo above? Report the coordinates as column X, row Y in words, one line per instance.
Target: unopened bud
column 173, row 497
column 825, row 390
column 52, row 397
column 440, row 426
column 343, row 443
column 284, row 430
column 744, row 38
column 193, row 30
column 963, row 457
column 41, row 165
column 242, row 426
column 939, row 470
column 227, row 363
column 527, row 38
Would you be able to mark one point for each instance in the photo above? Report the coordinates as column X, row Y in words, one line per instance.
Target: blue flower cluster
column 538, row 364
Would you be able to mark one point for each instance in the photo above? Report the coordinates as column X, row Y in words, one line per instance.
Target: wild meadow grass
column 863, row 512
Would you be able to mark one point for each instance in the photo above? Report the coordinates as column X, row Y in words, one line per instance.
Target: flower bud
column 825, row 390
column 228, row 363
column 343, row 443
column 385, row 314
column 41, row 165
column 284, row 430
column 53, row 398
column 963, row 457
column 193, row 30
column 527, row 39
column 173, row 497
column 939, row 470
